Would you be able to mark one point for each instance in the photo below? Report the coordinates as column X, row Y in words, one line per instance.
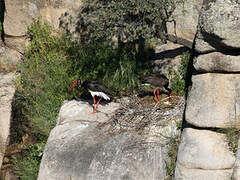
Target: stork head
column 77, row 82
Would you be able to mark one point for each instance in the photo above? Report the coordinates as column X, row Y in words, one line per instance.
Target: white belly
column 100, row 94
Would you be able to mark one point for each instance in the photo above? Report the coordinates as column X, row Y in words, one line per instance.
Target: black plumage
column 159, row 82
column 96, row 86
column 96, row 89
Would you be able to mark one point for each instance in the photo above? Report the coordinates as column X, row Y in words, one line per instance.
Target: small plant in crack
column 172, row 153
column 232, row 137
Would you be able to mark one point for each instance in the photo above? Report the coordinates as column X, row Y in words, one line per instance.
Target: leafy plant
column 28, row 166
column 184, row 64
column 126, row 21
column 178, row 81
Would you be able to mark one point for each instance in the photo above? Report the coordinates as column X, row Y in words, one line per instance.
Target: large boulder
column 78, row 151
column 19, row 14
column 168, row 56
column 214, row 100
column 203, row 154
column 218, row 28
column 95, row 146
column 217, row 62
column 186, row 19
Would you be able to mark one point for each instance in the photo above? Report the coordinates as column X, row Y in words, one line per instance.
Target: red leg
column 170, row 97
column 94, row 101
column 158, row 96
column 154, row 92
column 98, row 102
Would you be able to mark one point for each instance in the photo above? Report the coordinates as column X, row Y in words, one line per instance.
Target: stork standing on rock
column 96, row 89
column 159, row 81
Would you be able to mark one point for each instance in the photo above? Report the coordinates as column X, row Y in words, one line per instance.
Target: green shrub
column 28, row 166
column 44, row 80
column 184, row 64
column 178, row 82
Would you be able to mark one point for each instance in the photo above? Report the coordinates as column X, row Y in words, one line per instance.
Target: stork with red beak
column 158, row 81
column 96, row 89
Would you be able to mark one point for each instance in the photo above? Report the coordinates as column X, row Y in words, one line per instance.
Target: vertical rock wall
column 7, row 90
column 214, row 99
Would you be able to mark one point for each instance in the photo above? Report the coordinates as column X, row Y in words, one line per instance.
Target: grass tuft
column 172, row 154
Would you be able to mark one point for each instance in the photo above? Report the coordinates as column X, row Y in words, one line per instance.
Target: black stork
column 159, row 81
column 96, row 89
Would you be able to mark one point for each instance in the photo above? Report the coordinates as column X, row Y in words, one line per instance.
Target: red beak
column 170, row 97
column 74, row 84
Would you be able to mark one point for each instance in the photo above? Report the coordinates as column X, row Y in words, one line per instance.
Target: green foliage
column 232, row 137
column 44, row 80
column 184, row 64
column 178, row 82
column 126, row 20
column 172, row 153
column 28, row 166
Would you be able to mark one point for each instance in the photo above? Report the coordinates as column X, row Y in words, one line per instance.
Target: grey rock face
column 81, row 111
column 203, row 154
column 78, row 148
column 20, row 14
column 183, row 173
column 7, row 91
column 217, row 62
column 168, row 56
column 214, row 100
column 186, row 18
column 218, row 26
column 10, row 55
column 83, row 152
